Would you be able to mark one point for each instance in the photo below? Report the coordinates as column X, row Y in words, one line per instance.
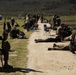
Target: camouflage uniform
column 72, row 45
column 63, row 31
column 5, row 49
column 5, row 52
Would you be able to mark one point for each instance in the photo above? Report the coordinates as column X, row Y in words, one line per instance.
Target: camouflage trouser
column 6, row 55
column 72, row 48
column 5, row 50
column 61, row 48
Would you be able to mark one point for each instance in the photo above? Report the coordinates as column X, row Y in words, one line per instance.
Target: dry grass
column 18, row 58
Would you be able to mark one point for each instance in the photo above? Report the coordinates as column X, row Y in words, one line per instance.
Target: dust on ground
column 44, row 62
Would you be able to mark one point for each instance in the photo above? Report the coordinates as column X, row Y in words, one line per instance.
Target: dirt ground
column 44, row 62
column 53, row 62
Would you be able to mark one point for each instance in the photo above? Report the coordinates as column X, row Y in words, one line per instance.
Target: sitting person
column 63, row 31
column 45, row 28
column 21, row 35
column 16, row 24
column 14, row 32
column 36, row 26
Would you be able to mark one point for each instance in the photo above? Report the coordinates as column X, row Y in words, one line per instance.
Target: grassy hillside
column 38, row 6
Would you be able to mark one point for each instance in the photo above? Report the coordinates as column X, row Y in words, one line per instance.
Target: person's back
column 63, row 31
column 12, row 21
column 73, row 39
column 68, row 31
column 54, row 20
column 72, row 45
column 6, row 47
column 58, row 30
column 58, row 22
column 8, row 27
column 14, row 32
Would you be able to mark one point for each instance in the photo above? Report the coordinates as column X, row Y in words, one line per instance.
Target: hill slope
column 38, row 6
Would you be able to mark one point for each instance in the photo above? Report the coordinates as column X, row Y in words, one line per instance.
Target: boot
column 73, row 51
column 6, row 65
column 36, row 40
column 54, row 45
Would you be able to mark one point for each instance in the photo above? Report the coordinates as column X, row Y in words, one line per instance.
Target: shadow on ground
column 24, row 70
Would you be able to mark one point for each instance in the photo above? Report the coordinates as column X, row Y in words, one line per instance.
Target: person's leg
column 39, row 40
column 55, row 48
column 71, row 49
column 6, row 58
column 59, row 47
column 58, row 39
column 46, row 40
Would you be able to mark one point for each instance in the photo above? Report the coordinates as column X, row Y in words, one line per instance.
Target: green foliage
column 14, row 7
